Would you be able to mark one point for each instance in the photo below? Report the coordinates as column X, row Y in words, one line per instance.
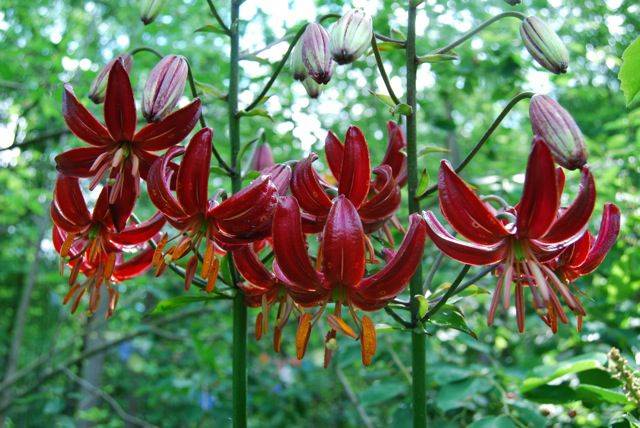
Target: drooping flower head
column 117, row 150
column 351, row 36
column 99, row 85
column 91, row 245
column 164, row 87
column 520, row 239
column 315, row 53
column 544, row 45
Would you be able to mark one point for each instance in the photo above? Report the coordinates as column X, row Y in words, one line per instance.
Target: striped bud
column 544, row 45
column 315, row 53
column 99, row 86
column 551, row 122
column 164, row 87
column 262, row 157
column 298, row 69
column 150, row 10
column 351, row 36
column 313, row 88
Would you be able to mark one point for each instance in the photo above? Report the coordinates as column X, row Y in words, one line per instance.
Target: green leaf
column 210, row 90
column 452, row 317
column 597, row 394
column 385, row 99
column 180, row 301
column 251, row 175
column 423, row 183
column 547, row 373
column 630, row 73
column 461, row 394
column 403, row 109
column 437, row 58
column 389, row 46
column 210, row 28
column 431, row 149
column 249, row 144
column 380, row 392
column 423, row 305
column 494, row 422
column 256, row 112
column 218, row 170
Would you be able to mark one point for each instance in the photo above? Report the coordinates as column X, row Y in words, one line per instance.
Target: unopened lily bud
column 262, row 158
column 351, row 36
column 315, row 53
column 99, row 86
column 298, row 69
column 164, row 87
column 544, row 45
column 551, row 122
column 150, row 10
column 313, row 88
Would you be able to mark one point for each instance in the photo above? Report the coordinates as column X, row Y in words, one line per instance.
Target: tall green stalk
column 418, row 344
column 239, row 354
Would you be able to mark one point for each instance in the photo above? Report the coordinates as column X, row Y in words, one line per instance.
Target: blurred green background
column 174, row 368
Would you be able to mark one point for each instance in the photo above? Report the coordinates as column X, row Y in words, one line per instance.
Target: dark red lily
column 517, row 239
column 376, row 201
column 243, row 218
column 339, row 274
column 90, row 244
column 117, row 149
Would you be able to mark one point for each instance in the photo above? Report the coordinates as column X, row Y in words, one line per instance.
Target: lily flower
column 90, row 244
column 520, row 239
column 339, row 274
column 376, row 201
column 243, row 218
column 117, row 150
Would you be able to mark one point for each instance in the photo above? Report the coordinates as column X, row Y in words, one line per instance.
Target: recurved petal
column 135, row 266
column 280, row 175
column 251, row 267
column 307, row 189
column 356, row 167
column 158, row 185
column 289, row 245
column 81, row 121
column 193, row 175
column 70, row 202
column 464, row 252
column 539, row 203
column 387, row 199
column 394, row 277
column 171, row 130
column 334, row 152
column 343, row 246
column 122, row 207
column 77, row 162
column 466, row 213
column 609, row 229
column 394, row 156
column 574, row 219
column 119, row 106
column 138, row 233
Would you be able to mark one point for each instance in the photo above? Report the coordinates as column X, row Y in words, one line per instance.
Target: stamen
column 110, row 265
column 190, row 272
column 519, row 307
column 75, row 270
column 494, row 300
column 70, row 293
column 540, row 280
column 76, row 302
column 97, row 178
column 181, row 248
column 277, row 339
column 209, row 256
column 117, row 158
column 265, row 311
column 66, row 245
column 213, row 275
column 258, row 330
column 302, row 335
column 97, row 163
column 157, row 254
column 368, row 341
column 340, row 325
column 330, row 345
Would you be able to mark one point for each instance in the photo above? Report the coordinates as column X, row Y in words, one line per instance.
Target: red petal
column 539, row 203
column 609, row 229
column 135, row 266
column 193, row 175
column 122, row 208
column 70, row 201
column 307, row 189
column 60, row 221
column 356, row 168
column 465, row 252
column 119, row 106
column 251, row 268
column 289, row 245
column 386, row 201
column 334, row 152
column 394, row 156
column 280, row 176
column 393, row 278
column 343, row 258
column 81, row 121
column 169, row 131
column 158, row 185
column 466, row 213
column 138, row 233
column 575, row 218
column 78, row 162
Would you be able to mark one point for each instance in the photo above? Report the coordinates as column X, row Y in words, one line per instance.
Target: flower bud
column 544, row 45
column 315, row 53
column 551, row 122
column 313, row 88
column 351, row 36
column 262, row 157
column 150, row 10
column 99, row 84
column 295, row 62
column 164, row 87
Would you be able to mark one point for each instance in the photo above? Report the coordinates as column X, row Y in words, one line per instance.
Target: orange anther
column 367, row 340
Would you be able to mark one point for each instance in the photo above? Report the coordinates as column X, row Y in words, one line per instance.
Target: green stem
column 239, row 353
column 145, row 49
column 418, row 339
column 515, row 100
column 450, row 292
column 383, row 72
column 390, row 40
column 218, row 18
column 478, row 29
